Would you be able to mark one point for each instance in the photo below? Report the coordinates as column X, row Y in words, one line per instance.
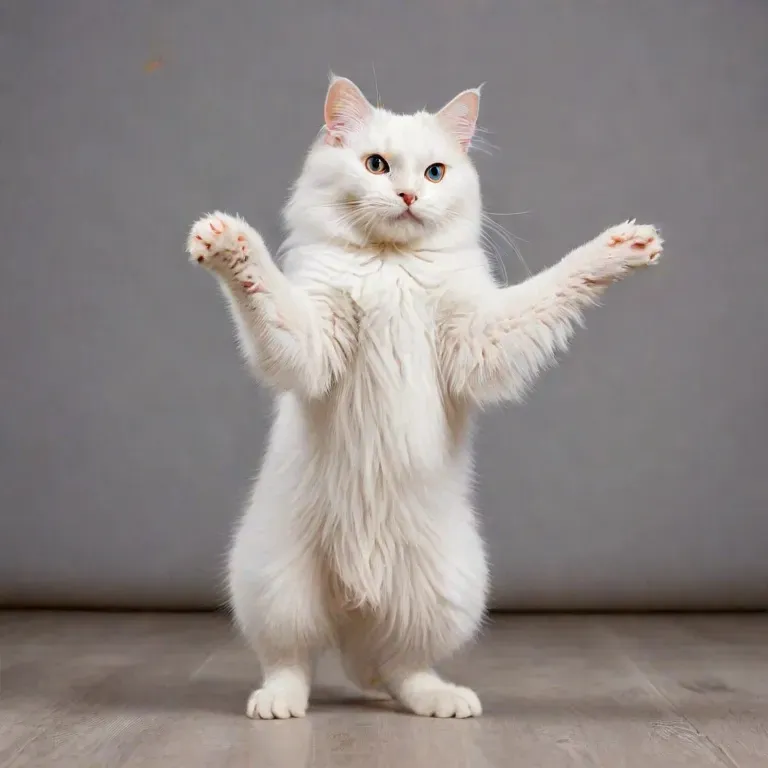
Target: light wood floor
column 80, row 690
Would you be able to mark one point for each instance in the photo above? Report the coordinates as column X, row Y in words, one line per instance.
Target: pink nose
column 408, row 198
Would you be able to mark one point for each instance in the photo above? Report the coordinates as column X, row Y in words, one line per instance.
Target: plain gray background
column 635, row 476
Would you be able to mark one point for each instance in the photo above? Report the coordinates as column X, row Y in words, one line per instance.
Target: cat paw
column 443, row 701
column 227, row 245
column 276, row 702
column 635, row 245
column 218, row 240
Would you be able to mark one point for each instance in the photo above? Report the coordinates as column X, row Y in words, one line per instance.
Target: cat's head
column 374, row 177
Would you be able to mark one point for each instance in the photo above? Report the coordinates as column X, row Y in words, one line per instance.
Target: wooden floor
column 80, row 690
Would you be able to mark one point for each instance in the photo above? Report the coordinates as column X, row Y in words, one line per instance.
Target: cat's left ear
column 346, row 109
column 459, row 116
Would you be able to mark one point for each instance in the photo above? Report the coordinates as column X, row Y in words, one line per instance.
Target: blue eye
column 435, row 172
column 376, row 164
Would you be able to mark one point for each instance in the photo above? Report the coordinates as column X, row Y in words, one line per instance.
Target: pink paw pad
column 251, row 286
column 640, row 243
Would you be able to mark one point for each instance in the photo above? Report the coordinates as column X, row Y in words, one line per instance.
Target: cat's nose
column 408, row 198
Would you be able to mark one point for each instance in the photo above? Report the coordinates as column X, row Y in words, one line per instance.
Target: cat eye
column 435, row 172
column 376, row 164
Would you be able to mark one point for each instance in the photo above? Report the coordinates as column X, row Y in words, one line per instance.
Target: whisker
column 507, row 238
column 506, row 234
column 488, row 242
column 376, row 83
column 362, row 215
column 481, row 143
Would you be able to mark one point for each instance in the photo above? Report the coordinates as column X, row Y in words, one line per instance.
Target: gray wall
column 636, row 475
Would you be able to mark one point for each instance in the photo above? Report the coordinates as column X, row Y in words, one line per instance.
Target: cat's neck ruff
column 383, row 249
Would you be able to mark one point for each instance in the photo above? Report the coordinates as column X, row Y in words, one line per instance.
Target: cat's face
column 374, row 177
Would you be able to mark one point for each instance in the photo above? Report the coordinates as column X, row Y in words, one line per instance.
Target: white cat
column 382, row 335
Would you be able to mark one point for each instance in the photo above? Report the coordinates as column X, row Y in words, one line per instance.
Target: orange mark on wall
column 153, row 64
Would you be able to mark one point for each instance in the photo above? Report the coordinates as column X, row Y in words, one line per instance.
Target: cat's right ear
column 346, row 110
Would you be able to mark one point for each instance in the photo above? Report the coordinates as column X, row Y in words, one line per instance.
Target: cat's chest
column 392, row 387
column 396, row 310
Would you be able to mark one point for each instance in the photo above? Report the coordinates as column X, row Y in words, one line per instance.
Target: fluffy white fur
column 381, row 335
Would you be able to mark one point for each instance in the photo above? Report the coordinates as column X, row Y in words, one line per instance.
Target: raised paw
column 227, row 245
column 635, row 245
column 276, row 702
column 443, row 701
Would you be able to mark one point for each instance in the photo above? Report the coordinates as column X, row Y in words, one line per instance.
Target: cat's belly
column 386, row 448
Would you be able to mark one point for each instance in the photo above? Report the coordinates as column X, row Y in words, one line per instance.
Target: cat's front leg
column 293, row 339
column 494, row 344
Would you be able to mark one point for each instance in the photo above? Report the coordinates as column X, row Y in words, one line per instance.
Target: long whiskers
column 488, row 243
column 362, row 215
column 376, row 83
column 494, row 228
column 481, row 143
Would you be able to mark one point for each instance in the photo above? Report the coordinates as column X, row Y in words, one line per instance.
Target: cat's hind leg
column 277, row 593
column 356, row 633
column 384, row 673
column 440, row 606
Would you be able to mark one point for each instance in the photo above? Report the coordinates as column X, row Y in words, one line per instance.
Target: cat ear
column 346, row 109
column 459, row 116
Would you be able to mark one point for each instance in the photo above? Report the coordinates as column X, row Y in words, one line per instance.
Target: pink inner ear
column 332, row 140
column 346, row 109
column 459, row 116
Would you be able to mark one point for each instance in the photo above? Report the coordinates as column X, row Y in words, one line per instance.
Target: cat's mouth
column 408, row 215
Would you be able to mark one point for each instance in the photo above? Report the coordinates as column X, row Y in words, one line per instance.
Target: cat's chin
column 398, row 232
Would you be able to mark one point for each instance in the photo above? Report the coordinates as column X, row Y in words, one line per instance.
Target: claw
column 217, row 231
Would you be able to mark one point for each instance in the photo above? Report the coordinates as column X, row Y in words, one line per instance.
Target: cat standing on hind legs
column 381, row 336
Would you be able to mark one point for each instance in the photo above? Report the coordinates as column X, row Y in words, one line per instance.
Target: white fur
column 380, row 337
